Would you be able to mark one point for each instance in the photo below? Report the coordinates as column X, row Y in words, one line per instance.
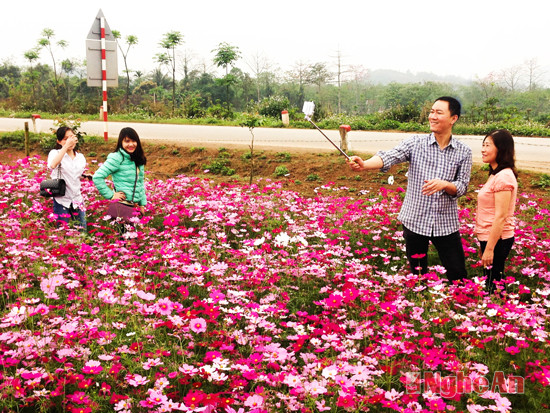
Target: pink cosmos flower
column 198, row 325
column 512, row 350
column 387, row 351
column 151, row 363
column 334, row 300
column 92, row 367
column 255, row 401
column 78, row 397
column 146, row 296
column 171, row 220
column 437, row 404
column 136, row 380
column 217, row 295
column 164, row 306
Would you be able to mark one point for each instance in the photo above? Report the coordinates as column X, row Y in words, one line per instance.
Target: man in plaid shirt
column 439, row 172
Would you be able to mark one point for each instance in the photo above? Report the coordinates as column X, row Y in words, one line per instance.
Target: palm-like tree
column 170, row 41
column 131, row 40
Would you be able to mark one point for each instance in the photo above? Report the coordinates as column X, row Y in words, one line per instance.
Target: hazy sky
column 465, row 38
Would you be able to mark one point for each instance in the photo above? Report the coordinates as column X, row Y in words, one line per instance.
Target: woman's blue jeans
column 64, row 214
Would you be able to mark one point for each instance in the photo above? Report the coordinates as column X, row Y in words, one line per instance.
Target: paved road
column 531, row 153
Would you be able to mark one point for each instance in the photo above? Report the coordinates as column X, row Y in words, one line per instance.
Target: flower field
column 235, row 298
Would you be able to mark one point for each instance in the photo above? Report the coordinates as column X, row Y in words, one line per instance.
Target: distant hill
column 385, row 76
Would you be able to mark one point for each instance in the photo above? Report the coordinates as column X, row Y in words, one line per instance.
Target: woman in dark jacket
column 126, row 166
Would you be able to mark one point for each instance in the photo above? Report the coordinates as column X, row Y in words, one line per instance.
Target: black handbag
column 53, row 187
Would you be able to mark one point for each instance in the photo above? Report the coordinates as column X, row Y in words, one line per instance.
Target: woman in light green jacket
column 126, row 166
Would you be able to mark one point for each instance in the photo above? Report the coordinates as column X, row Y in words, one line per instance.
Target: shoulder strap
column 59, row 170
column 135, row 182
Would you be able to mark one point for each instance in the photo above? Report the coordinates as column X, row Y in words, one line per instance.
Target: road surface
column 531, row 153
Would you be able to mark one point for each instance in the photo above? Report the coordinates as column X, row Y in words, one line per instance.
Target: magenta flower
column 512, row 350
column 334, row 300
column 79, row 397
column 171, row 220
column 92, row 367
column 217, row 295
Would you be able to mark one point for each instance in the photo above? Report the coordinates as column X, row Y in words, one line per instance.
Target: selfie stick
column 308, row 109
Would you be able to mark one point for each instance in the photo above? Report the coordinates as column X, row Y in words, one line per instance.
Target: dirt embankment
column 299, row 170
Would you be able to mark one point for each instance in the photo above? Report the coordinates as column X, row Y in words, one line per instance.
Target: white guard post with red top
column 104, row 78
column 101, row 58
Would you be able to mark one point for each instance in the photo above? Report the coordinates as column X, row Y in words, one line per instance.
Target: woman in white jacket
column 69, row 164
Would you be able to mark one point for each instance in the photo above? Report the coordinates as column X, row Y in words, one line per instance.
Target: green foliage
column 542, row 182
column 251, row 121
column 220, row 166
column 193, row 107
column 16, row 139
column 220, row 112
column 194, row 149
column 283, row 156
column 403, row 113
column 281, row 170
column 273, row 106
column 226, row 55
column 313, row 177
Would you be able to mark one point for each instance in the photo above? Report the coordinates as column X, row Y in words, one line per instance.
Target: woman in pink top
column 496, row 202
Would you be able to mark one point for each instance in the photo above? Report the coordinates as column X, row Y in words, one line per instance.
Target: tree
column 32, row 55
column 511, row 77
column 10, row 76
column 185, row 65
column 131, row 40
column 300, row 75
column 359, row 75
column 46, row 42
column 170, row 41
column 226, row 56
column 533, row 73
column 68, row 66
column 251, row 121
column 259, row 65
column 339, row 74
column 318, row 75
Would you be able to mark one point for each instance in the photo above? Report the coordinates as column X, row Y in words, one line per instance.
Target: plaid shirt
column 437, row 214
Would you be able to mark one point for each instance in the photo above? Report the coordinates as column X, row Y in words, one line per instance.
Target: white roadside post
column 102, row 66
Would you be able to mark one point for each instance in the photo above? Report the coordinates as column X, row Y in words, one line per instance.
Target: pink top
column 505, row 180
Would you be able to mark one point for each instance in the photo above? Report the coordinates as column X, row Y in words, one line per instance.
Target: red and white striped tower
column 104, row 77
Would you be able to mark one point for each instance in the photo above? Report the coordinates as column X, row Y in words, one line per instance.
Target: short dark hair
column 506, row 155
column 454, row 105
column 138, row 156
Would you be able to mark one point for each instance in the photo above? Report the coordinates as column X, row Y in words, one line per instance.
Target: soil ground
column 305, row 171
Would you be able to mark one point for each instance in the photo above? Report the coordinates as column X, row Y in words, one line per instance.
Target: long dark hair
column 60, row 135
column 138, row 156
column 504, row 142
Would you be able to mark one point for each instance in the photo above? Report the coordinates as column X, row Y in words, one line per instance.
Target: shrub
column 193, row 107
column 220, row 112
column 543, row 181
column 312, row 177
column 283, row 156
column 273, row 106
column 220, row 167
column 281, row 170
